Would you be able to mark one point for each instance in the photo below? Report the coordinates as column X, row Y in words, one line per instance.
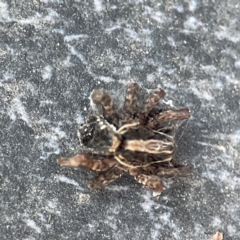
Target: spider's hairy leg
column 126, row 127
column 150, row 181
column 130, row 104
column 165, row 130
column 152, row 101
column 167, row 172
column 106, row 177
column 88, row 161
column 102, row 98
column 167, row 116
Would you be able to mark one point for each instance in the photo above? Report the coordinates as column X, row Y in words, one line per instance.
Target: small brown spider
column 141, row 142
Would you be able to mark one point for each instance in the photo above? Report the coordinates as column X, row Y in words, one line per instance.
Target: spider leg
column 88, row 161
column 126, row 127
column 166, row 171
column 152, row 101
column 154, row 125
column 150, row 181
column 168, row 130
column 169, row 115
column 130, row 105
column 106, row 177
column 151, row 174
column 100, row 97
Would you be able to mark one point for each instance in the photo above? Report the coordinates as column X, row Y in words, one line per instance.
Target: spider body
column 141, row 142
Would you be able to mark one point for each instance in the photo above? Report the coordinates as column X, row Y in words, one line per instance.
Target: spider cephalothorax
column 140, row 141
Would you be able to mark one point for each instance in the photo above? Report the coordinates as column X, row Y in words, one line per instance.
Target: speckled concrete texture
column 53, row 53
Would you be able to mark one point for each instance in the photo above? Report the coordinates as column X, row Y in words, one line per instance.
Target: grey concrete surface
column 53, row 53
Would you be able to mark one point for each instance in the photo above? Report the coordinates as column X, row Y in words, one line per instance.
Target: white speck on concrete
column 192, row 24
column 98, row 5
column 18, row 107
column 70, row 38
column 67, row 180
column 151, row 77
column 229, row 32
column 237, row 63
column 192, row 5
column 30, row 223
column 79, row 117
column 47, row 72
column 83, row 198
column 4, row 13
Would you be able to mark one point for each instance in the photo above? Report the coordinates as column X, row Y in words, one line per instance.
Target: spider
column 139, row 141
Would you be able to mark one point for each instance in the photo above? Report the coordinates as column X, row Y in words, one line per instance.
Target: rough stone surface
column 53, row 53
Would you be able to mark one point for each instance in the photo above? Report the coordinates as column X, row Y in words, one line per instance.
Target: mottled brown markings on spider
column 100, row 97
column 167, row 171
column 152, row 100
column 152, row 182
column 89, row 162
column 138, row 143
column 167, row 116
column 130, row 105
column 106, row 177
